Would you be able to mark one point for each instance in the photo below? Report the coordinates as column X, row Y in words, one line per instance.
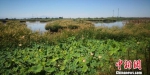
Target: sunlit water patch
column 40, row 26
column 118, row 23
column 36, row 26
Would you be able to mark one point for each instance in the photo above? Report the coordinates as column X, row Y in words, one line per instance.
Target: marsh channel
column 40, row 26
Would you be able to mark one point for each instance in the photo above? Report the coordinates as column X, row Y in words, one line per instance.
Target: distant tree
column 46, row 18
column 96, row 18
column 89, row 18
column 60, row 17
column 6, row 18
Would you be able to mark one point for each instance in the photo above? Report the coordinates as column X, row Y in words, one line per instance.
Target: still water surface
column 40, row 26
column 36, row 26
column 118, row 23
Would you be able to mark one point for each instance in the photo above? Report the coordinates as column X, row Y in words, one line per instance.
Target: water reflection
column 40, row 26
column 36, row 26
column 118, row 23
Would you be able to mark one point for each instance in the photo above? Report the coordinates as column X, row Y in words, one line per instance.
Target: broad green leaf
column 49, row 69
column 36, row 69
column 54, row 59
column 76, row 55
column 15, row 69
column 48, row 63
column 60, row 73
column 62, row 67
column 85, row 68
column 43, row 63
column 7, row 64
column 94, row 64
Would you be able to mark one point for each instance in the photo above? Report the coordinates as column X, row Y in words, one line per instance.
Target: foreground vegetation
column 85, row 50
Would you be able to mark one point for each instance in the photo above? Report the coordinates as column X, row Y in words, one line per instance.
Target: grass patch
column 67, row 24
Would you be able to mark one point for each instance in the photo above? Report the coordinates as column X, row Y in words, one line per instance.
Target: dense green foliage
column 53, row 28
column 90, row 51
column 85, row 56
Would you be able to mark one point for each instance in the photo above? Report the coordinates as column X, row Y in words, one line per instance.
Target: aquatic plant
column 72, row 56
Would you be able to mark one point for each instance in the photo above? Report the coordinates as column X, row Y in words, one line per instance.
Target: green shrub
column 73, row 26
column 13, row 33
column 53, row 28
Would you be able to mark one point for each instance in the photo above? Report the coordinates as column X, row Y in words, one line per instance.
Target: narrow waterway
column 40, row 26
column 118, row 23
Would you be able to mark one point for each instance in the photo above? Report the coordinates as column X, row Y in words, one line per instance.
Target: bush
column 53, row 28
column 13, row 33
column 73, row 26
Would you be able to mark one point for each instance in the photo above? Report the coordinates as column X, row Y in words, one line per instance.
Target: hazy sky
column 73, row 8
